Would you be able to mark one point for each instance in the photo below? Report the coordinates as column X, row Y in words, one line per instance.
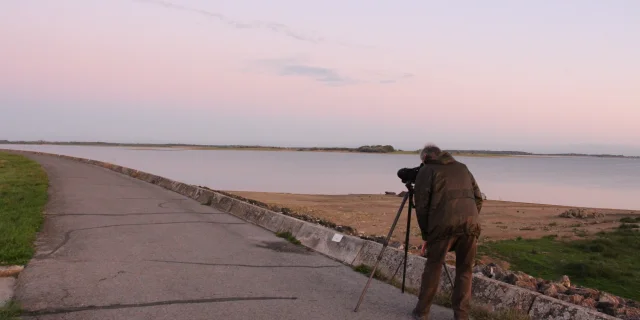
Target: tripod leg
column 384, row 246
column 444, row 265
column 406, row 240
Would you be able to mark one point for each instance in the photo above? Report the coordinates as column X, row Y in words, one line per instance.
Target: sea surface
column 574, row 181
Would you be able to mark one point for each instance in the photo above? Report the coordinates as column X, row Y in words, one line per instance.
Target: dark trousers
column 465, row 248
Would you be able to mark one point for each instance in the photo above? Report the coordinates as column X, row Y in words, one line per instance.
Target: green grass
column 11, row 311
column 289, row 237
column 363, row 268
column 366, row 270
column 629, row 226
column 608, row 261
column 23, row 195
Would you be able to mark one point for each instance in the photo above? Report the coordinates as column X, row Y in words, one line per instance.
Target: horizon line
column 229, row 146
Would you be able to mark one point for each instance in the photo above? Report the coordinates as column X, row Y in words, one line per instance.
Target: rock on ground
column 580, row 213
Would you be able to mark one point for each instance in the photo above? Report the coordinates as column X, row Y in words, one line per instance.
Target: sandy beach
column 372, row 215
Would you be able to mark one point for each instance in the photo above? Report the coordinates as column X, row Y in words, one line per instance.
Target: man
column 448, row 202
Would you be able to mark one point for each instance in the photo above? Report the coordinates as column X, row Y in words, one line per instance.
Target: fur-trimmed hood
column 443, row 158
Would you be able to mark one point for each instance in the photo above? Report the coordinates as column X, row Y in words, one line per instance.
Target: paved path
column 114, row 247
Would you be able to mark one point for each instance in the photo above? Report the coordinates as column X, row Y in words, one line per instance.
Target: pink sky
column 523, row 75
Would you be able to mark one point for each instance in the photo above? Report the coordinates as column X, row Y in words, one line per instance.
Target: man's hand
column 424, row 249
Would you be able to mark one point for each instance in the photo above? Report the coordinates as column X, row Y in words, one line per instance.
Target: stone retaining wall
column 354, row 251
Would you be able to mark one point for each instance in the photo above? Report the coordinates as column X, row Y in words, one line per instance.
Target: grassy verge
column 23, row 194
column 11, row 311
column 607, row 262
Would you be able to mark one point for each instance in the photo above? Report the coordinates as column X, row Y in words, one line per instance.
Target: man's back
column 448, row 202
column 448, row 199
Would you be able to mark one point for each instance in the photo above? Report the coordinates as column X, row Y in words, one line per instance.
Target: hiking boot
column 419, row 316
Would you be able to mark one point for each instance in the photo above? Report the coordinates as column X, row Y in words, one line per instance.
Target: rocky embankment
column 563, row 289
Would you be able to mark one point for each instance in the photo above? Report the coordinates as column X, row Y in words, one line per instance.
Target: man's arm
column 477, row 194
column 422, row 196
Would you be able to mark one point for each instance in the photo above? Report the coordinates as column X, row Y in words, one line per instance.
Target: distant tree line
column 514, row 153
column 344, row 149
column 588, row 155
column 366, row 149
column 376, row 149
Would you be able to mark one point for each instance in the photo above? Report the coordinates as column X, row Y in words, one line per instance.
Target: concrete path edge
column 353, row 251
column 8, row 275
column 7, row 287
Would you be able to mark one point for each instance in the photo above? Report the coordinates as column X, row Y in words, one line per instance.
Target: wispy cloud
column 390, row 77
column 327, row 76
column 296, row 67
column 266, row 25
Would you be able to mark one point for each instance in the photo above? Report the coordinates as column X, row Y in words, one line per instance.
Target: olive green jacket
column 447, row 199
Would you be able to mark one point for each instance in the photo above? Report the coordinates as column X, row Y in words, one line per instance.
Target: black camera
column 408, row 175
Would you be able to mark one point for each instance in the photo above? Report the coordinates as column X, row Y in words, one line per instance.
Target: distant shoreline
column 379, row 149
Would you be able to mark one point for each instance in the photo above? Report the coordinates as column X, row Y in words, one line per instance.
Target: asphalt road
column 113, row 247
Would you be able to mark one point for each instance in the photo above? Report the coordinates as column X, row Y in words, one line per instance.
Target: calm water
column 578, row 181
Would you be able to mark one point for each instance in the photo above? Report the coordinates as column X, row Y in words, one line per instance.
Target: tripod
column 407, row 196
